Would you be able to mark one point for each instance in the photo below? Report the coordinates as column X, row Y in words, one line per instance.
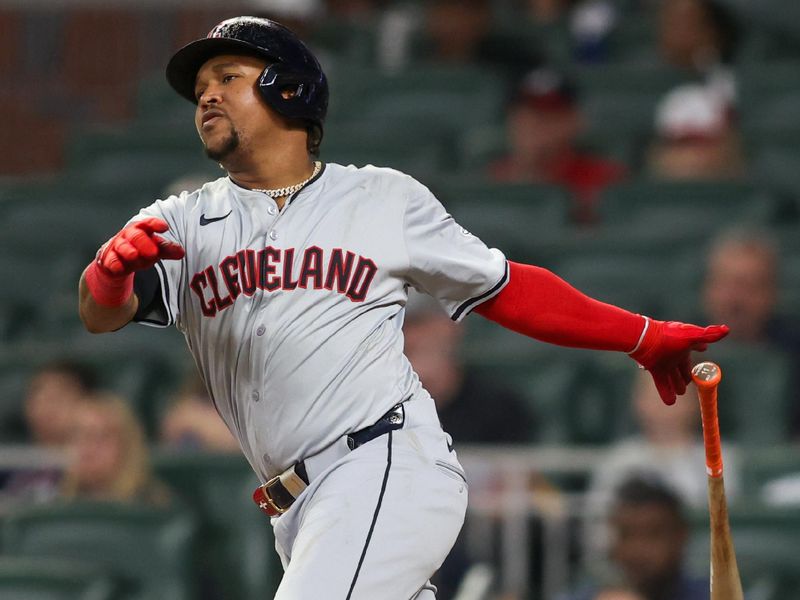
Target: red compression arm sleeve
column 537, row 303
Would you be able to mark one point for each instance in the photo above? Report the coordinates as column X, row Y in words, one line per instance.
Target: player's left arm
column 539, row 304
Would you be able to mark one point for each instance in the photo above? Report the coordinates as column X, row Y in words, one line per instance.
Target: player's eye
column 199, row 94
column 228, row 78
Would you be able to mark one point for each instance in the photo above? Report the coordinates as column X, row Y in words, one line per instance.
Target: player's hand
column 137, row 247
column 665, row 349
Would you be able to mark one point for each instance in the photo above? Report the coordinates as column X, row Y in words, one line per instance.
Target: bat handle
column 706, row 377
column 708, row 410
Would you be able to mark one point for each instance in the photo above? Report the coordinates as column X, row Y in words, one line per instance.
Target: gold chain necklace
column 289, row 190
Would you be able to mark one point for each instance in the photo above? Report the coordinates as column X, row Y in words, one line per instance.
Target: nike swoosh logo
column 204, row 221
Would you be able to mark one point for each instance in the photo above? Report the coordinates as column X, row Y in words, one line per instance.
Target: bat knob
column 706, row 374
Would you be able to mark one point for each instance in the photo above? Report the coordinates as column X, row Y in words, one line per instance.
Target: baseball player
column 288, row 278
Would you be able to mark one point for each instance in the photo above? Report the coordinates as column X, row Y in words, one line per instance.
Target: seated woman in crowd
column 110, row 458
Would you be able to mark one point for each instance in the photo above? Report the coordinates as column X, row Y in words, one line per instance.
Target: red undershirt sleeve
column 541, row 305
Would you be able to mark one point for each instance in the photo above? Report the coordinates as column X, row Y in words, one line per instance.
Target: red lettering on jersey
column 197, row 284
column 312, row 268
column 362, row 278
column 228, row 268
column 212, row 281
column 247, row 271
column 267, row 259
column 288, row 263
column 339, row 269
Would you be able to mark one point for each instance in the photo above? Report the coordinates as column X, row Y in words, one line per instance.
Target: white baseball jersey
column 294, row 316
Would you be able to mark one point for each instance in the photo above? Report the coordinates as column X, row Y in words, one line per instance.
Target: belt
column 277, row 495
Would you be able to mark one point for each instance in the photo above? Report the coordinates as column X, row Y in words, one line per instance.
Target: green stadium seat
column 640, row 283
column 758, row 82
column 148, row 549
column 29, row 579
column 235, row 537
column 477, row 146
column 412, row 146
column 510, row 216
column 575, row 396
column 765, row 540
column 341, row 41
column 775, row 169
column 766, row 464
column 446, row 97
column 755, row 394
column 627, row 78
column 684, row 206
column 628, row 115
column 143, row 136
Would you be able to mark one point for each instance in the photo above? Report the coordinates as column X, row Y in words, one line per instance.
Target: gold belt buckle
column 268, row 496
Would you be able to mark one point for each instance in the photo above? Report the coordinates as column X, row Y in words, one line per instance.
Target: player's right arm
column 106, row 298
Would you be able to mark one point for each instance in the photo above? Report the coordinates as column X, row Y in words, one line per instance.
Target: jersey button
column 272, row 210
column 273, row 235
column 261, row 329
column 255, row 396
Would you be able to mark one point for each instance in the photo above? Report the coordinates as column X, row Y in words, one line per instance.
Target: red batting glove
column 664, row 351
column 135, row 248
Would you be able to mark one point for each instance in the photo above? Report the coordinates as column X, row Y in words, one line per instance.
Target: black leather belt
column 277, row 495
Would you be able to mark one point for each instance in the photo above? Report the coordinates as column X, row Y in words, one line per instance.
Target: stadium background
column 90, row 132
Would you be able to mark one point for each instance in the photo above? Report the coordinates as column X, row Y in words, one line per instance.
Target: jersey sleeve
column 445, row 260
column 160, row 288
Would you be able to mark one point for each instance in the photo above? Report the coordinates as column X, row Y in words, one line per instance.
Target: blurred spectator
column 741, row 286
column 741, row 289
column 110, row 458
column 472, row 410
column 591, row 25
column 547, row 11
column 668, row 445
column 53, row 394
column 192, row 423
column 297, row 15
column 617, row 592
column 543, row 123
column 354, row 10
column 458, row 28
column 650, row 533
column 462, row 32
column 696, row 137
column 696, row 35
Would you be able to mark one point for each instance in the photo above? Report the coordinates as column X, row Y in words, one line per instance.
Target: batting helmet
column 291, row 65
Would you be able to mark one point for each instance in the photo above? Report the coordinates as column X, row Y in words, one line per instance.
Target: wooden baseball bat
column 725, row 581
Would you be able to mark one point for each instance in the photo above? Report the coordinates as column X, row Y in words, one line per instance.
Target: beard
column 229, row 145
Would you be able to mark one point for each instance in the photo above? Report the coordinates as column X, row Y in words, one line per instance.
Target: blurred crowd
column 630, row 538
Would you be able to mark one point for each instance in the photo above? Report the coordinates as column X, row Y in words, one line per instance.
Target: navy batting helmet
column 292, row 65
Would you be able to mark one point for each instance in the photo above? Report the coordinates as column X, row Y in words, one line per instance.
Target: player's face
column 230, row 111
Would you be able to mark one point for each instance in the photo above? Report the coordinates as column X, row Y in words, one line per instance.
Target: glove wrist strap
column 641, row 337
column 107, row 289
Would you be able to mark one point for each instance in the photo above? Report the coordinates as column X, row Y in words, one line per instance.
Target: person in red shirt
column 543, row 124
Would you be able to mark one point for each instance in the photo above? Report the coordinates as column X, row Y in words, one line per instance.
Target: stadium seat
column 640, row 283
column 575, row 396
column 755, row 394
column 149, row 550
column 513, row 217
column 45, row 579
column 446, row 97
column 413, row 146
column 765, row 540
column 686, row 206
column 235, row 537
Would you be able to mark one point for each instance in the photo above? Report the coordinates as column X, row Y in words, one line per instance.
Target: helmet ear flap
column 276, row 79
